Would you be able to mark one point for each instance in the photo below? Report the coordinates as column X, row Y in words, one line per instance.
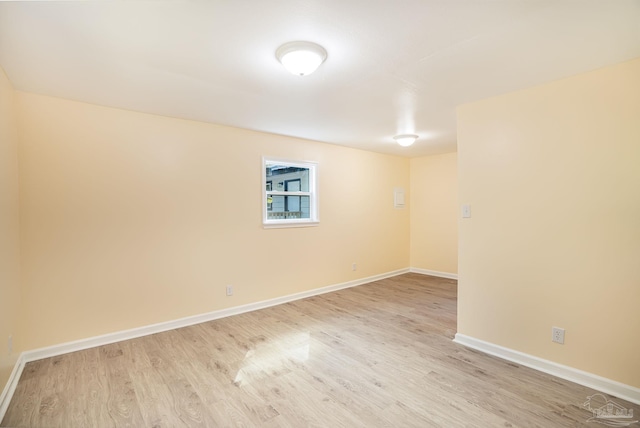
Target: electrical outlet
column 557, row 335
column 354, row 267
column 229, row 290
column 10, row 345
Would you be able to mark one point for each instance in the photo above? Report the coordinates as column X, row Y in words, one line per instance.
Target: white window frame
column 314, row 217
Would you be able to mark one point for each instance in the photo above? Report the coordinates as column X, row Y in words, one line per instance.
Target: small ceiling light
column 405, row 140
column 301, row 58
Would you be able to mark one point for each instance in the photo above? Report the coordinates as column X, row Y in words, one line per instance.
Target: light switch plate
column 398, row 197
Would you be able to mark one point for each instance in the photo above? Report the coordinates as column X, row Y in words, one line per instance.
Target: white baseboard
column 11, row 385
column 91, row 342
column 434, row 273
column 599, row 383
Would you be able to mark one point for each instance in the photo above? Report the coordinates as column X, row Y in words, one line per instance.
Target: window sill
column 287, row 224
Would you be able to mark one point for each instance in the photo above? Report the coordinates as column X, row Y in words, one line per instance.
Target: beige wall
column 553, row 177
column 10, row 300
column 434, row 221
column 124, row 221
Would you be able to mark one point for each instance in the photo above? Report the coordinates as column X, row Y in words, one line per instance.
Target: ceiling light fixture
column 301, row 58
column 405, row 140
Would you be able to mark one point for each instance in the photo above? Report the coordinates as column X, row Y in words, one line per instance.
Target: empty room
column 300, row 213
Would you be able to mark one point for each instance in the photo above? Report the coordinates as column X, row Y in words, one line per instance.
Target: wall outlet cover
column 557, row 335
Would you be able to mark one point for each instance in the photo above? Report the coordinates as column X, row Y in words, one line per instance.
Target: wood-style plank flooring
column 378, row 355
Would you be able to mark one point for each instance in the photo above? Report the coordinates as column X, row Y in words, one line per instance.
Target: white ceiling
column 393, row 66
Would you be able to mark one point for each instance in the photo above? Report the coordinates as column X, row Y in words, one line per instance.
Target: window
column 290, row 193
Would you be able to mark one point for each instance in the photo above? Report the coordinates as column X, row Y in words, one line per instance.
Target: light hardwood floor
column 378, row 355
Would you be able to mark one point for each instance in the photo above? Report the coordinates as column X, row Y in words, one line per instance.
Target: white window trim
column 314, row 209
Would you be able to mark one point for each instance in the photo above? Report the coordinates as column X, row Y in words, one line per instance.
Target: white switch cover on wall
column 466, row 211
column 398, row 197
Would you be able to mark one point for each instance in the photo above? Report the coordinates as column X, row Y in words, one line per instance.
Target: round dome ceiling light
column 405, row 140
column 301, row 58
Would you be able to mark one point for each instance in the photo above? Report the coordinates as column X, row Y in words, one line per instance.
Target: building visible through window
column 290, row 192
